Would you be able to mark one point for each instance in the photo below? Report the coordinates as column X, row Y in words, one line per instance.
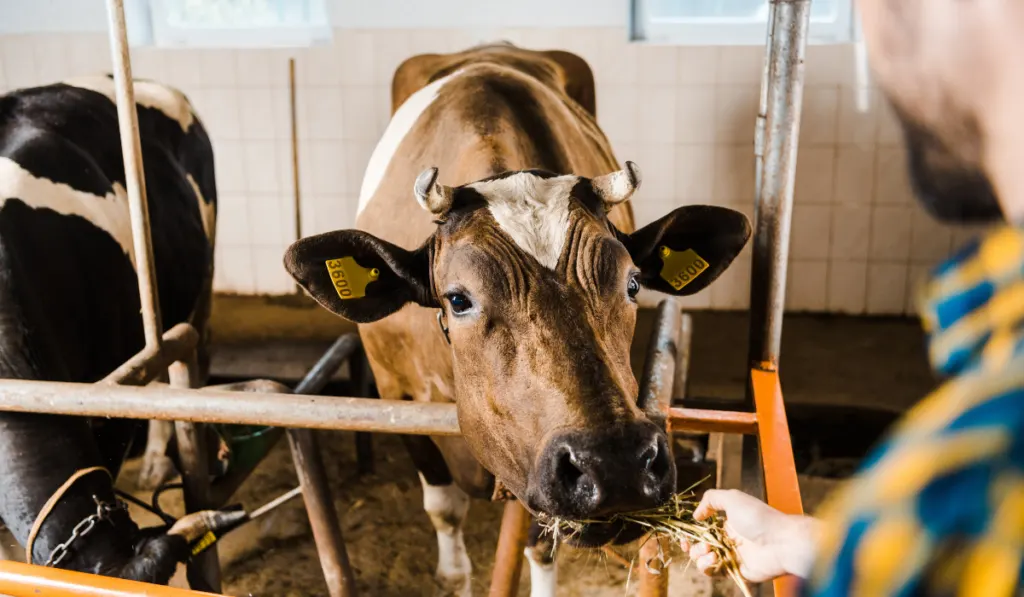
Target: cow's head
column 536, row 290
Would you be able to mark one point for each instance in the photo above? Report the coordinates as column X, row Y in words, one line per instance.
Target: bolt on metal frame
column 664, row 375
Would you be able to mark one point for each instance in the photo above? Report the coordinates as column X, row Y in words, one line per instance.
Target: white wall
column 35, row 16
column 685, row 115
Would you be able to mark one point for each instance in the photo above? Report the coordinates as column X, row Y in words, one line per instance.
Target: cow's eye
column 460, row 303
column 633, row 287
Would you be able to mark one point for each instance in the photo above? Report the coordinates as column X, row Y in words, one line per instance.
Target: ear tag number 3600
column 349, row 278
column 681, row 267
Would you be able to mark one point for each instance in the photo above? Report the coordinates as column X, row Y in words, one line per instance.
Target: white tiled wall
column 685, row 115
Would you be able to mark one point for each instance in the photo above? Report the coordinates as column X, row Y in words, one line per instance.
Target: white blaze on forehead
column 401, row 123
column 150, row 94
column 533, row 210
column 108, row 213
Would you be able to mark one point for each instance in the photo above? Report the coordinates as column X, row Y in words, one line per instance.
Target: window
column 229, row 23
column 730, row 22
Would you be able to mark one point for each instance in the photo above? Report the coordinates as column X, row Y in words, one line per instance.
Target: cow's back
column 69, row 304
column 477, row 114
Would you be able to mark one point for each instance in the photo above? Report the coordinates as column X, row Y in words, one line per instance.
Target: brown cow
column 532, row 277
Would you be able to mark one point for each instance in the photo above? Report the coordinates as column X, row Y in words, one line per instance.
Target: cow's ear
column 359, row 276
column 685, row 251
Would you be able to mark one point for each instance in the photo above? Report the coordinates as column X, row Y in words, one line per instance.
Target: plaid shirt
column 938, row 507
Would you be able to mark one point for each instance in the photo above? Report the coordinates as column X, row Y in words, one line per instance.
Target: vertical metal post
column 330, row 545
column 508, row 559
column 779, row 128
column 362, row 382
column 134, row 176
column 762, row 108
column 660, row 380
column 309, row 466
column 783, row 100
column 204, row 569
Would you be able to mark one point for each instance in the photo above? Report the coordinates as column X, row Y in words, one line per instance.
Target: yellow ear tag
column 681, row 267
column 205, row 541
column 349, row 278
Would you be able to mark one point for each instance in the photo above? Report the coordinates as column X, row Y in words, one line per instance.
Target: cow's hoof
column 453, row 586
column 156, row 470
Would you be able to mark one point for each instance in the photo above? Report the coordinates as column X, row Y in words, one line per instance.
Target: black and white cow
column 69, row 303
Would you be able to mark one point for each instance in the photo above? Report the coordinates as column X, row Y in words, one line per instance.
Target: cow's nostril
column 649, row 456
column 567, row 471
column 659, row 463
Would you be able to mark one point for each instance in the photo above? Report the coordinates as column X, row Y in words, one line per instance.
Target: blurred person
column 938, row 507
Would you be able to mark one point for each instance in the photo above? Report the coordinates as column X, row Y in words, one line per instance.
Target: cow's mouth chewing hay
column 672, row 521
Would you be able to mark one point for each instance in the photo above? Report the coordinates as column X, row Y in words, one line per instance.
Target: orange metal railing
column 27, row 580
column 782, row 488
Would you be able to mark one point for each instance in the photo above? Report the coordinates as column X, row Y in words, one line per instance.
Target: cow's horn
column 618, row 186
column 432, row 195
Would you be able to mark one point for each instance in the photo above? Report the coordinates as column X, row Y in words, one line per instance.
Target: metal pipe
column 134, row 175
column 278, row 409
column 328, row 365
column 762, row 109
column 152, row 361
column 782, row 486
column 784, row 96
column 294, row 121
column 508, row 558
column 201, row 406
column 712, row 421
column 203, row 570
column 658, row 381
column 682, row 373
column 25, row 580
column 656, row 389
column 362, row 382
column 330, row 545
column 309, row 466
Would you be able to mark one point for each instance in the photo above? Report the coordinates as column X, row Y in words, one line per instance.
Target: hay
column 673, row 521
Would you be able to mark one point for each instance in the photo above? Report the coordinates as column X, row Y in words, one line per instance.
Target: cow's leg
column 540, row 553
column 447, row 506
column 157, row 466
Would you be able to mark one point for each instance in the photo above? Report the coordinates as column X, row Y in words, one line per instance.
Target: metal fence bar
column 508, row 558
column 204, row 569
column 153, row 361
column 26, row 580
column 657, row 385
column 316, row 492
column 162, row 402
column 784, row 97
column 782, row 487
column 134, row 175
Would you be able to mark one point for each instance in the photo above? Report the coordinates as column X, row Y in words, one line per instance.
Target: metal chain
column 104, row 511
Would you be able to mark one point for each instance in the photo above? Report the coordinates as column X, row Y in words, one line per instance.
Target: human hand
column 768, row 543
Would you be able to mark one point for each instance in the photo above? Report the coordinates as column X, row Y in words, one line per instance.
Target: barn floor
column 877, row 365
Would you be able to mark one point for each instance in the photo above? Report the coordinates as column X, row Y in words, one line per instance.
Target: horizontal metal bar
column 712, row 421
column 209, row 406
column 153, row 361
column 25, row 580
